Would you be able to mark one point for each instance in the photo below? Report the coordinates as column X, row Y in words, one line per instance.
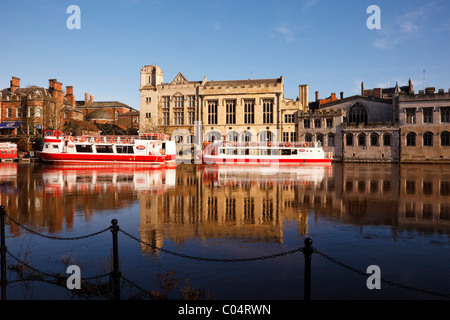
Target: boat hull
column 102, row 158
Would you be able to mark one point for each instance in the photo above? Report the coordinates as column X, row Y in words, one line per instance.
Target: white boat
column 271, row 153
column 145, row 149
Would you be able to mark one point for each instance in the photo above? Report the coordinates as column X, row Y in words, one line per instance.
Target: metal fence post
column 307, row 252
column 3, row 251
column 116, row 272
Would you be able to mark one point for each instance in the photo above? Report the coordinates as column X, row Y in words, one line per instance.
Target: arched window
column 213, row 136
column 308, row 137
column 374, row 139
column 232, row 136
column 266, row 136
column 362, row 140
column 411, row 139
column 357, row 114
column 445, row 139
column 349, row 139
column 428, row 139
column 246, row 136
column 319, row 138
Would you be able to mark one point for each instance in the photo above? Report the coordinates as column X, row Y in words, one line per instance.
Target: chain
column 54, row 237
column 211, row 259
column 392, row 283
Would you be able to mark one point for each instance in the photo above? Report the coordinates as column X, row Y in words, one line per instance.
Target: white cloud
column 286, row 32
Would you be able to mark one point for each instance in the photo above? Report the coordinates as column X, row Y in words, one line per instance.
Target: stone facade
column 234, row 110
column 356, row 128
column 424, row 119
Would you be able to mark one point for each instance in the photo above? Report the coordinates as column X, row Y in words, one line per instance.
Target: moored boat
column 8, row 151
column 152, row 149
column 271, row 153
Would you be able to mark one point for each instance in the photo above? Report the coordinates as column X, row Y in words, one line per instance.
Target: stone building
column 253, row 110
column 424, row 120
column 356, row 128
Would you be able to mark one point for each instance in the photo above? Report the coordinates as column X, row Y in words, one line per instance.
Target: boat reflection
column 79, row 179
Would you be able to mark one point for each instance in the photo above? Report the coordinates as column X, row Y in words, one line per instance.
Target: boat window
column 294, row 151
column 285, row 152
column 221, row 151
column 104, row 148
column 124, row 149
column 55, row 146
column 83, row 148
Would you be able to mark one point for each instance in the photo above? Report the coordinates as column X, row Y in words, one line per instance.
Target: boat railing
column 103, row 139
column 234, row 144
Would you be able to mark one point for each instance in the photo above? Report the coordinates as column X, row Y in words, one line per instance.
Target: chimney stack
column 317, row 95
column 69, row 95
column 14, row 84
column 91, row 98
column 86, row 98
column 342, row 95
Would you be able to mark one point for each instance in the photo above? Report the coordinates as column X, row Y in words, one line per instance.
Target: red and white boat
column 151, row 149
column 272, row 153
column 8, row 150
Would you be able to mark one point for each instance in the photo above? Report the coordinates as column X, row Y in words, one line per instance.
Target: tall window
column 285, row 136
column 411, row 115
column 362, row 140
column 166, row 118
column 231, row 111
column 191, row 115
column 179, row 117
column 357, row 114
column 293, row 136
column 427, row 115
column 267, row 111
column 306, row 123
column 411, row 139
column 191, row 101
column 249, row 111
column 329, row 123
column 386, row 139
column 212, row 112
column 19, row 112
column 445, row 139
column 317, row 123
column 8, row 112
column 428, row 139
column 374, row 139
column 349, row 139
column 331, row 140
column 445, row 114
column 289, row 118
column 178, row 102
column 166, row 102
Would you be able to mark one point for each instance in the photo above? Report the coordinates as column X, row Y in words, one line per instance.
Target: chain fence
column 115, row 275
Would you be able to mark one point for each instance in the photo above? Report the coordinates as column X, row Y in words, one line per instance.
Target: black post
column 116, row 273
column 3, row 251
column 307, row 252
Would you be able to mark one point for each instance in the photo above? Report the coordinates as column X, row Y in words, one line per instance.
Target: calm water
column 394, row 216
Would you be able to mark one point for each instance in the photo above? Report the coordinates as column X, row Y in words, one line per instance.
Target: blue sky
column 325, row 44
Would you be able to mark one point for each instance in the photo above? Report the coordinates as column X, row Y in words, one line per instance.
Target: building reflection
column 213, row 202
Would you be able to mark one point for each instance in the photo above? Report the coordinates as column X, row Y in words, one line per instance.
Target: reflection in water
column 265, row 208
column 236, row 202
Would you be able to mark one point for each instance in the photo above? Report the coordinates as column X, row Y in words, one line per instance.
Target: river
column 230, row 232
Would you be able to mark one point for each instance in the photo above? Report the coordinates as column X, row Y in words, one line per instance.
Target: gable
column 179, row 79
